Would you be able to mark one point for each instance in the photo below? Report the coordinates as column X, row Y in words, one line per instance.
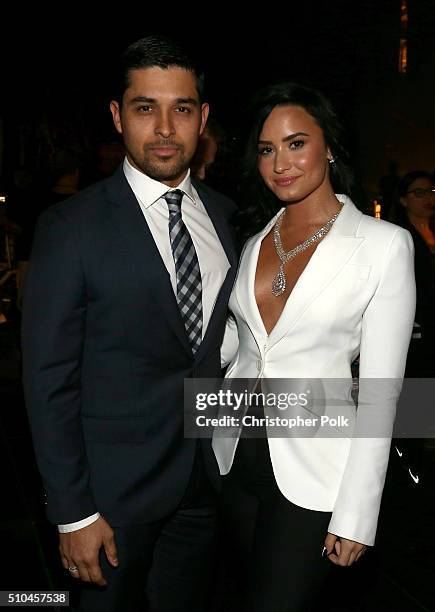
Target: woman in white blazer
column 319, row 285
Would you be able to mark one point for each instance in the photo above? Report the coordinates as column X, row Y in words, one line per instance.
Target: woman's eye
column 297, row 144
column 265, row 151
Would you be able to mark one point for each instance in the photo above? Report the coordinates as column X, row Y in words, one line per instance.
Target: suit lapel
column 130, row 222
column 145, row 256
column 223, row 232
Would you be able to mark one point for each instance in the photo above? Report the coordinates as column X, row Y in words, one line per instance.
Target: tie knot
column 173, row 198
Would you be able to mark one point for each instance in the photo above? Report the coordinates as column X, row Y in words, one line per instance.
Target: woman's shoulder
column 386, row 240
column 379, row 235
column 382, row 229
column 381, row 226
column 367, row 224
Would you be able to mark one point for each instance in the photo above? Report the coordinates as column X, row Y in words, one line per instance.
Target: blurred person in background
column 415, row 211
column 62, row 181
column 207, row 149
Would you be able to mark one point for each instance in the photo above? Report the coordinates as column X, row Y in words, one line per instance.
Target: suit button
column 259, row 364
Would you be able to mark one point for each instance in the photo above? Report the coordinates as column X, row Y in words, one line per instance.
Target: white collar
column 149, row 191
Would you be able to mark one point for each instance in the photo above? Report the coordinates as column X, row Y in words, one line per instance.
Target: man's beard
column 163, row 169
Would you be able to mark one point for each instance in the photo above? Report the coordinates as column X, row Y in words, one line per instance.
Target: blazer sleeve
column 386, row 331
column 230, row 344
column 53, row 330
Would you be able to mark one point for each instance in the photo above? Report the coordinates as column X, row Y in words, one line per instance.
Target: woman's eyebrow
column 290, row 137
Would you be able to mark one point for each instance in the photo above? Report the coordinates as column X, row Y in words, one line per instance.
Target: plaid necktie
column 189, row 286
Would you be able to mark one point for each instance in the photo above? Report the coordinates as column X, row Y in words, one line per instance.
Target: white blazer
column 356, row 296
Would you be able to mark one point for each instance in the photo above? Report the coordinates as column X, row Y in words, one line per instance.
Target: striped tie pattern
column 188, row 274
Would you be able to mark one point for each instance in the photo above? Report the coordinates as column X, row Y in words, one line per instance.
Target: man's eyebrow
column 290, row 137
column 142, row 99
column 147, row 100
column 187, row 101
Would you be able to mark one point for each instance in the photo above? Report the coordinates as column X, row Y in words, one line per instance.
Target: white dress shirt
column 212, row 259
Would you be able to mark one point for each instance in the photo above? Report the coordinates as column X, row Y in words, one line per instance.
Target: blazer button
column 259, row 364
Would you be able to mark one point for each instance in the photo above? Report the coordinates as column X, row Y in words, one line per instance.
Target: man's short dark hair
column 155, row 51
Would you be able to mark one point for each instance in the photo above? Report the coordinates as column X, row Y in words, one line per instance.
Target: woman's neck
column 315, row 210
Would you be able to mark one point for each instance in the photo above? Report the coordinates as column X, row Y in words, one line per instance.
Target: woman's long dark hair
column 258, row 203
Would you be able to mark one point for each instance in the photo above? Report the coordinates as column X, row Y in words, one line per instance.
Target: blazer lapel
column 130, row 222
column 333, row 252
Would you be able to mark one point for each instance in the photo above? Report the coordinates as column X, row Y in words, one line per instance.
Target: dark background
column 55, row 69
column 57, row 64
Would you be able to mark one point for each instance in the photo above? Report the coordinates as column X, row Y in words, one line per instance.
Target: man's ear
column 116, row 115
column 403, row 202
column 205, row 109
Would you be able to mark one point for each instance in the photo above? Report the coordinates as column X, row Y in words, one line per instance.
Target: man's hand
column 341, row 551
column 80, row 549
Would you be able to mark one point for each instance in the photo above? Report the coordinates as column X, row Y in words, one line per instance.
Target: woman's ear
column 403, row 202
column 330, row 157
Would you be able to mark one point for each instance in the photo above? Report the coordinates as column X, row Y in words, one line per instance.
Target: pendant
column 278, row 283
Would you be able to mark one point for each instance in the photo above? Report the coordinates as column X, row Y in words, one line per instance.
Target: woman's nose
column 282, row 162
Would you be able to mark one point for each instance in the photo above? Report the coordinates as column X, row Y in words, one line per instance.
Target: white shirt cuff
column 79, row 524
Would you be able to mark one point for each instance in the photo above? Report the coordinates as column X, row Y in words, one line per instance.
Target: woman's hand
column 341, row 551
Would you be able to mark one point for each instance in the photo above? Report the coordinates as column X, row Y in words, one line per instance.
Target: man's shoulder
column 83, row 205
column 226, row 205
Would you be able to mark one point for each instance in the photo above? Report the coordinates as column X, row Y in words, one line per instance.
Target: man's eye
column 297, row 144
column 183, row 109
column 145, row 108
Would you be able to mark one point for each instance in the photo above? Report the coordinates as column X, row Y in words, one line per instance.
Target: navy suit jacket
column 105, row 355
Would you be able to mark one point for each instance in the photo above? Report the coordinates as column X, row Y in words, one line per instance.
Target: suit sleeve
column 54, row 320
column 386, row 331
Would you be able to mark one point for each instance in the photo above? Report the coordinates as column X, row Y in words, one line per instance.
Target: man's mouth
column 164, row 150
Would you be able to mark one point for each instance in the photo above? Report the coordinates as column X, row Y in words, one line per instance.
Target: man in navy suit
column 126, row 296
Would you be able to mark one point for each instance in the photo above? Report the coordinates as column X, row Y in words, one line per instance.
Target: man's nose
column 164, row 125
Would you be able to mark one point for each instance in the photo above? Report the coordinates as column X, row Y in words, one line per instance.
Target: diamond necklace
column 279, row 281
